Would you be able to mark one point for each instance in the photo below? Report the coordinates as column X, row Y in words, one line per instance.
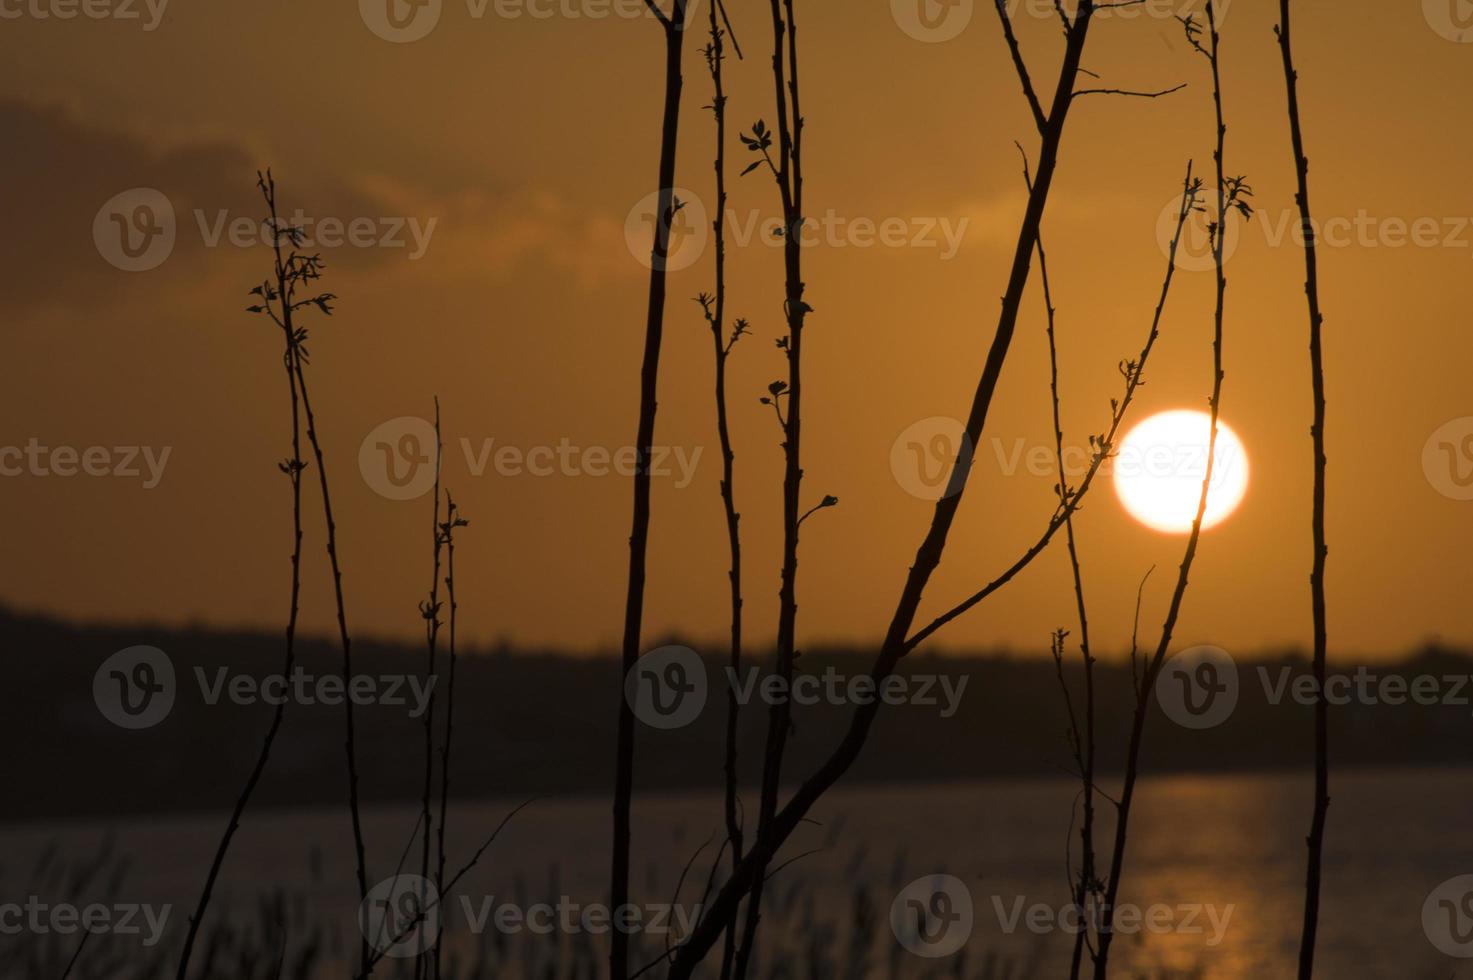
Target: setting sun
column 1161, row 464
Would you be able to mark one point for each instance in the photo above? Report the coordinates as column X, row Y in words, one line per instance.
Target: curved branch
column 1067, row 507
column 1130, row 92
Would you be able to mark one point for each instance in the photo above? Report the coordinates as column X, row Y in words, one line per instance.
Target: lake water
column 1216, row 866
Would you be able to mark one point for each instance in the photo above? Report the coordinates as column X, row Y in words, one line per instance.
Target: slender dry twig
column 1315, row 842
column 666, row 207
column 81, row 944
column 787, row 172
column 1135, row 629
column 714, row 308
column 429, row 611
column 344, row 637
column 424, row 910
column 277, row 299
column 1231, row 195
column 1131, row 92
column 1083, row 738
column 452, row 521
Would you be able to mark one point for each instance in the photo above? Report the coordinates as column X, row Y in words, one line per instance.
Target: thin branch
column 1225, row 202
column 1039, row 119
column 286, row 272
column 641, row 503
column 660, row 15
column 1131, row 92
column 1315, row 842
column 1135, row 631
column 425, row 910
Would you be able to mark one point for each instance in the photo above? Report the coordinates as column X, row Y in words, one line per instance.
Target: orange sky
column 527, row 141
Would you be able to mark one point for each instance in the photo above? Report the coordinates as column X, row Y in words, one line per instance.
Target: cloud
column 98, row 214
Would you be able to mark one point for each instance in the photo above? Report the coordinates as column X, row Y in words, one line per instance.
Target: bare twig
column 276, row 298
column 714, row 308
column 378, row 954
column 1039, row 119
column 1083, row 738
column 1315, row 842
column 674, row 28
column 1131, row 92
column 429, row 611
column 788, row 172
column 1228, row 198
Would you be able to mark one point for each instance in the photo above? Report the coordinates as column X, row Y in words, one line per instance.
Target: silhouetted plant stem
column 346, row 641
column 788, row 174
column 1316, row 840
column 714, row 308
column 287, row 274
column 1083, row 737
column 452, row 521
column 430, row 612
column 1230, row 194
column 674, row 28
column 77, row 955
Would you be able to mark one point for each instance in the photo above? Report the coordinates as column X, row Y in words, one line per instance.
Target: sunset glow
column 1161, row 465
